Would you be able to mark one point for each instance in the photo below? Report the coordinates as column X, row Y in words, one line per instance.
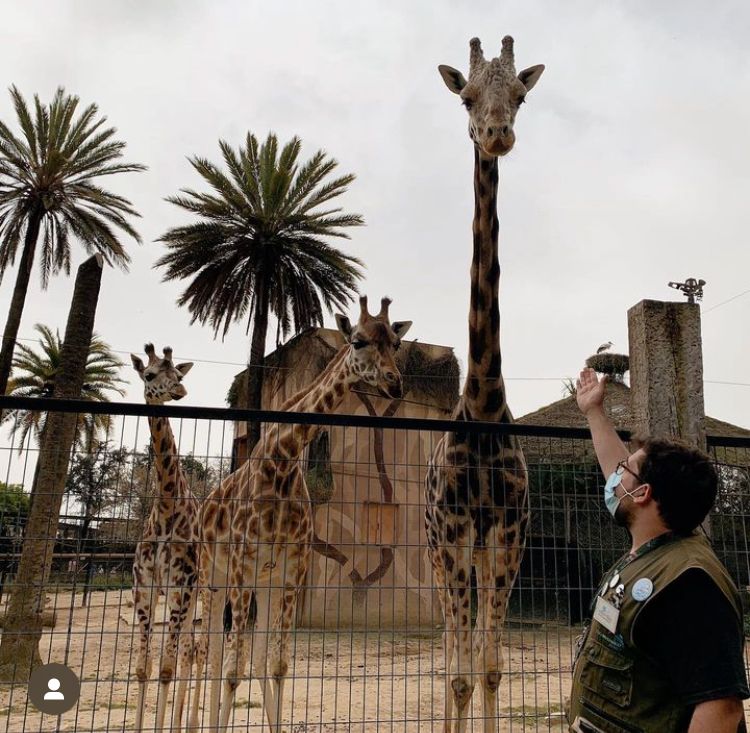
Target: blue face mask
column 610, row 499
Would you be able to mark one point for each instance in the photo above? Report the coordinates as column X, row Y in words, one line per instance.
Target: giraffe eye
column 468, row 103
column 521, row 100
column 359, row 344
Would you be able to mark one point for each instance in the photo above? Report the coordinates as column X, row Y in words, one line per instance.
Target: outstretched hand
column 589, row 390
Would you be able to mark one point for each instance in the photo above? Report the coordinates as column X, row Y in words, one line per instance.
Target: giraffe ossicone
column 492, row 95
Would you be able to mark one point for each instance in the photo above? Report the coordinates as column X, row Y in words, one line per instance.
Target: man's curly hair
column 683, row 480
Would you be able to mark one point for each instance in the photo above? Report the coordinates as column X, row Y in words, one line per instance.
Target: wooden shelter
column 369, row 566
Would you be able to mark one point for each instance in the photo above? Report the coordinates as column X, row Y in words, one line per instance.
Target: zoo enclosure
column 367, row 643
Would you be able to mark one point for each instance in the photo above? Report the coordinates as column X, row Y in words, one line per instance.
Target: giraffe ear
column 453, row 78
column 529, row 77
column 344, row 325
column 137, row 363
column 184, row 368
column 400, row 328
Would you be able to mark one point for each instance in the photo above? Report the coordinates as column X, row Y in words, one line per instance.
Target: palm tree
column 48, row 187
column 259, row 247
column 36, row 372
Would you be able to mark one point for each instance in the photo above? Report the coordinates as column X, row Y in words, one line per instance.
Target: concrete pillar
column 666, row 371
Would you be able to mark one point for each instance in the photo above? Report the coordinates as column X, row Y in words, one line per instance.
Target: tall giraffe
column 257, row 526
column 476, row 485
column 166, row 557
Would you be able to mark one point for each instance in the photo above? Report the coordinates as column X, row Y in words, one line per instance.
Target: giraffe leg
column 294, row 570
column 215, row 643
column 201, row 653
column 186, row 652
column 267, row 598
column 448, row 636
column 494, row 582
column 456, row 560
column 179, row 600
column 234, row 666
column 144, row 600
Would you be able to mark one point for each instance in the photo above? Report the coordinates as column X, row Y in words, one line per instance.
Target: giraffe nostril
column 505, row 131
column 490, row 130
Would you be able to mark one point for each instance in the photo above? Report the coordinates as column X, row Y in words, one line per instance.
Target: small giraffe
column 257, row 526
column 476, row 485
column 166, row 557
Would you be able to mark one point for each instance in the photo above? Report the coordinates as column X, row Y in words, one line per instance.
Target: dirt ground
column 353, row 680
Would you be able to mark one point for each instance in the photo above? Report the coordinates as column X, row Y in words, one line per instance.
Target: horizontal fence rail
column 336, row 590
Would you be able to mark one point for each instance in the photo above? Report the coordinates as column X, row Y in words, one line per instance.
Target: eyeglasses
column 622, row 466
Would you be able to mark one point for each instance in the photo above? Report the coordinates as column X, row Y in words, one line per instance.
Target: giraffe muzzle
column 499, row 146
column 395, row 390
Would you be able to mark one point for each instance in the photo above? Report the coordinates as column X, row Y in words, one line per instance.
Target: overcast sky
column 630, row 167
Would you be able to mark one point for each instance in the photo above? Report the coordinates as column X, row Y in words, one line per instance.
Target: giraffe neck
column 484, row 391
column 323, row 396
column 168, row 474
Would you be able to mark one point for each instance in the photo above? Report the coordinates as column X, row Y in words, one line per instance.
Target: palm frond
column 261, row 232
column 35, row 370
column 50, row 172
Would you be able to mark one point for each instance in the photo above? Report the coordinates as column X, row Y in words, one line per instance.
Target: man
column 664, row 649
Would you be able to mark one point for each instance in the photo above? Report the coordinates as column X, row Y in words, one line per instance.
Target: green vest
column 617, row 688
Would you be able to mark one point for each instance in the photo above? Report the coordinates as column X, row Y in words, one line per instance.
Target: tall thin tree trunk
column 13, row 322
column 255, row 367
column 19, row 649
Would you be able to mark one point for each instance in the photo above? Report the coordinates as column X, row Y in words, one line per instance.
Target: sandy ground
column 347, row 681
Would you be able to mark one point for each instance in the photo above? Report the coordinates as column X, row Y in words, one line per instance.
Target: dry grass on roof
column 565, row 413
column 432, row 379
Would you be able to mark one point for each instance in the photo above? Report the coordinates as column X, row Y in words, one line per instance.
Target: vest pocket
column 593, row 720
column 608, row 674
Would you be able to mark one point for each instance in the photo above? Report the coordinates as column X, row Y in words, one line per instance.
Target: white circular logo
column 642, row 589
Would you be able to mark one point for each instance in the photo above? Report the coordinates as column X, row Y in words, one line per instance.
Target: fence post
column 666, row 370
column 87, row 582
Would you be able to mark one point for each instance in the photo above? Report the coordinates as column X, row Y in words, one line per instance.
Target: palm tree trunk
column 19, row 648
column 13, row 322
column 255, row 367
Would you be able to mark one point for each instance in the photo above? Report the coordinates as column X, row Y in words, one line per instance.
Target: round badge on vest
column 642, row 589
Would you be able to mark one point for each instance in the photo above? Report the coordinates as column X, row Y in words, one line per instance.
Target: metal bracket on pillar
column 692, row 289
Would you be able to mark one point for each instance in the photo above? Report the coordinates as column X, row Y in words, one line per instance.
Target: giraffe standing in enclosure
column 256, row 528
column 476, row 485
column 166, row 556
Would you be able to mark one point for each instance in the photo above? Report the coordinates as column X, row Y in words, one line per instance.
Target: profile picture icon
column 53, row 688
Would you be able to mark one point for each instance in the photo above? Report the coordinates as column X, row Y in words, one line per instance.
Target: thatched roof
column 565, row 413
column 430, row 373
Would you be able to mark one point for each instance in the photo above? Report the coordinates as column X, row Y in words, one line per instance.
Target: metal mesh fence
column 347, row 615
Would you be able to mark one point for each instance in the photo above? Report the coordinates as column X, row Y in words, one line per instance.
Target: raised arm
column 610, row 450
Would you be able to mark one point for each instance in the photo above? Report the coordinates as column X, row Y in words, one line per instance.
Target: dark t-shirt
column 692, row 632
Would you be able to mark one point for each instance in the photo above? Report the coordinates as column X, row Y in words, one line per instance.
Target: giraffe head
column 492, row 95
column 161, row 377
column 373, row 342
